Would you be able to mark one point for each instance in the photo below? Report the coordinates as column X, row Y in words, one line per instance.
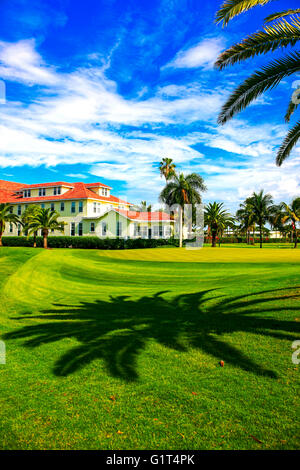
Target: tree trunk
column 1, row 232
column 296, row 239
column 1, row 239
column 180, row 227
column 45, row 237
column 260, row 236
column 34, row 240
column 213, row 238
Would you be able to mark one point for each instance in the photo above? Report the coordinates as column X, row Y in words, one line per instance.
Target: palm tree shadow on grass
column 116, row 331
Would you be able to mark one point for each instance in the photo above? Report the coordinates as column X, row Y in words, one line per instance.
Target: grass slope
column 121, row 350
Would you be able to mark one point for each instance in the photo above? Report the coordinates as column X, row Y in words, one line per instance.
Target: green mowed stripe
column 121, row 350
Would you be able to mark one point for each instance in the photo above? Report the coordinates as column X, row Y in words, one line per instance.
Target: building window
column 104, row 229
column 11, row 229
column 80, row 207
column 59, row 190
column 92, row 226
column 11, row 210
column 80, row 229
column 95, row 207
column 19, row 230
column 161, row 231
column 135, row 229
column 62, row 206
column 155, row 231
column 52, row 207
column 119, row 229
column 19, row 210
column 144, row 232
column 27, row 193
column 72, row 229
column 167, row 231
column 99, row 207
column 43, row 206
column 73, row 207
column 54, row 191
column 42, row 191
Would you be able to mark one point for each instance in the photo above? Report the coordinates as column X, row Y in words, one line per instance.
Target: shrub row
column 90, row 242
column 256, row 240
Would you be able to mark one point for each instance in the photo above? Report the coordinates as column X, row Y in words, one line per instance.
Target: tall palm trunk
column 213, row 238
column 34, row 240
column 260, row 236
column 1, row 232
column 296, row 239
column 45, row 238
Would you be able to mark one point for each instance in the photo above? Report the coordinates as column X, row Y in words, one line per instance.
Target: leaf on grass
column 255, row 438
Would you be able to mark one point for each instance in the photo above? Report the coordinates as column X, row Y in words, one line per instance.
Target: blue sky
column 101, row 90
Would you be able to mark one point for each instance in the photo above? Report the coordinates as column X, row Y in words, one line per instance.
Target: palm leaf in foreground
column 266, row 78
column 288, row 144
column 232, row 8
column 280, row 35
column 281, row 14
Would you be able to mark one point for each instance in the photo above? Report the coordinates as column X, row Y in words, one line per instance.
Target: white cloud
column 79, row 117
column 20, row 62
column 203, row 54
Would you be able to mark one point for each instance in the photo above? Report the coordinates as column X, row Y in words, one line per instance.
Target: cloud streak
column 81, row 117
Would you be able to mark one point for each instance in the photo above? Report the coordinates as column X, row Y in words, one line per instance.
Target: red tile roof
column 97, row 185
column 46, row 185
column 145, row 216
column 11, row 185
column 77, row 191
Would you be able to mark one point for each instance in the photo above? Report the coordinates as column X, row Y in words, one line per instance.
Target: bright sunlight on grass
column 121, row 349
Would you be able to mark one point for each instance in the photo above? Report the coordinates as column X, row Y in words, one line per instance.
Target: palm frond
column 281, row 14
column 281, row 34
column 232, row 8
column 288, row 144
column 266, row 78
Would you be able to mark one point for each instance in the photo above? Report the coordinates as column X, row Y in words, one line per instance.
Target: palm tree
column 217, row 219
column 183, row 190
column 245, row 216
column 144, row 207
column 283, row 32
column 167, row 168
column 6, row 217
column 45, row 220
column 291, row 213
column 27, row 216
column 262, row 208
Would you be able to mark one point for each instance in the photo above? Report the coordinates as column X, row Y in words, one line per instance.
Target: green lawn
column 121, row 349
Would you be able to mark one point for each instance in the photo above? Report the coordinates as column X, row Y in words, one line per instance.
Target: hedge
column 243, row 240
column 90, row 242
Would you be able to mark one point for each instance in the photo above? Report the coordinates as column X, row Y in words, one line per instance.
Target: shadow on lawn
column 117, row 330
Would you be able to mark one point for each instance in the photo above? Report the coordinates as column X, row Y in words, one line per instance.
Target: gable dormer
column 100, row 189
column 46, row 189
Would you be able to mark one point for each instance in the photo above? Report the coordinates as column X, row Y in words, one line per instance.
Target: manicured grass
column 121, row 349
